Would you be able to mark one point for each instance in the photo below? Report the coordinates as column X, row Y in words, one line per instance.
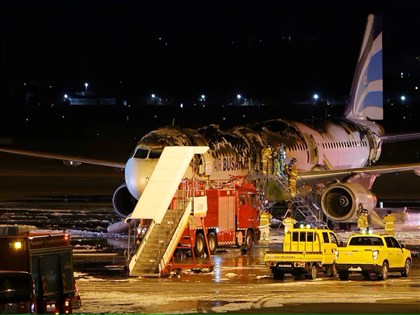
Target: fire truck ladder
column 311, row 214
column 166, row 226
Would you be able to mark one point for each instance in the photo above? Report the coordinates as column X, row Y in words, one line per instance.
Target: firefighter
column 280, row 160
column 291, row 172
column 362, row 220
column 389, row 221
column 264, row 227
column 288, row 222
column 266, row 156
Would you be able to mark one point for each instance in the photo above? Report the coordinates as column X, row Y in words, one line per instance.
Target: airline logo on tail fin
column 366, row 97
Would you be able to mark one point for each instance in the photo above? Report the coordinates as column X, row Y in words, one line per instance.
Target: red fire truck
column 48, row 256
column 232, row 217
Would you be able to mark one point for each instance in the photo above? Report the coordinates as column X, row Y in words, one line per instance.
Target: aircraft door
column 313, row 151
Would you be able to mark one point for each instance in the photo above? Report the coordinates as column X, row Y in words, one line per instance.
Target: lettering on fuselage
column 229, row 163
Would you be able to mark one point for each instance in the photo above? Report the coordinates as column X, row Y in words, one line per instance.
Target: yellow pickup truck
column 305, row 252
column 369, row 254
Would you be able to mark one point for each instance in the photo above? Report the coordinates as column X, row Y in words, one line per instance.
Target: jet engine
column 123, row 202
column 340, row 201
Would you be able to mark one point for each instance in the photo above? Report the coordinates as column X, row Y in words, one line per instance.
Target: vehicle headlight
column 17, row 245
column 375, row 254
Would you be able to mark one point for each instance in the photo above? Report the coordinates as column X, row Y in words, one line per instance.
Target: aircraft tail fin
column 366, row 96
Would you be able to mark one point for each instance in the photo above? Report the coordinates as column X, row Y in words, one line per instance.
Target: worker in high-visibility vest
column 279, row 157
column 389, row 221
column 288, row 223
column 266, row 159
column 292, row 174
column 362, row 220
column 264, row 227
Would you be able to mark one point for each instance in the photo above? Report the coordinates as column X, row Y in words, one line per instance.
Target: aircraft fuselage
column 329, row 145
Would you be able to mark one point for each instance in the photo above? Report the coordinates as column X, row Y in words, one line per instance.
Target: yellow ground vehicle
column 305, row 251
column 372, row 254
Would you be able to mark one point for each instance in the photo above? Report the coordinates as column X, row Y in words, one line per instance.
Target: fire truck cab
column 48, row 256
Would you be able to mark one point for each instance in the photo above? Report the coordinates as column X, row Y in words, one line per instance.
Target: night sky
column 184, row 48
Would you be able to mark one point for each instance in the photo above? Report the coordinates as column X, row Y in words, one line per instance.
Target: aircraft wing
column 313, row 177
column 66, row 159
column 400, row 137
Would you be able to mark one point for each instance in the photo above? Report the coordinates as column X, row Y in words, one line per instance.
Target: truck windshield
column 15, row 287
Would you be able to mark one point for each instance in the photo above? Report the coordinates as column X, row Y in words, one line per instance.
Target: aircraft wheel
column 211, row 238
column 199, row 245
column 407, row 268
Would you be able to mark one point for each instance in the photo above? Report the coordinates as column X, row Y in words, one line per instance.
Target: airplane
column 335, row 158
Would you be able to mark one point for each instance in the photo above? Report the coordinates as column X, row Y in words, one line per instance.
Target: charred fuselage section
column 316, row 146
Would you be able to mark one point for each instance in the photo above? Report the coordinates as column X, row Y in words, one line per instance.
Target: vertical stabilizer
column 366, row 96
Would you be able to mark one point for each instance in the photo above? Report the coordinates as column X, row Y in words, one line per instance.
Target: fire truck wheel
column 199, row 245
column 211, row 237
column 249, row 240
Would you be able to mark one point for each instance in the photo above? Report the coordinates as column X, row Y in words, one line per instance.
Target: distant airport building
column 91, row 99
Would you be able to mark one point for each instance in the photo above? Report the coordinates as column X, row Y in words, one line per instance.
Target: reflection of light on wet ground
column 217, row 260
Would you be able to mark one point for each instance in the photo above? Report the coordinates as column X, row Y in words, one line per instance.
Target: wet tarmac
column 239, row 283
column 52, row 196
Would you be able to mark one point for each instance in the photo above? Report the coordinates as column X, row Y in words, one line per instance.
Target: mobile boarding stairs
column 167, row 209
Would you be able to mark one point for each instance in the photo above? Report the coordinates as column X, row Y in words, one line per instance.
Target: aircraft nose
column 137, row 174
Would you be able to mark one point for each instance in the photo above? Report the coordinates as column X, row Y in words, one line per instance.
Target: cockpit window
column 141, row 153
column 155, row 154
